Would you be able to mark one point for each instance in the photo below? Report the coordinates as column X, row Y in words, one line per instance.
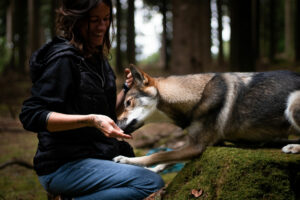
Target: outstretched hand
column 108, row 127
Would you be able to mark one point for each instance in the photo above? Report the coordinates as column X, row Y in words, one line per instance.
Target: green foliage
column 5, row 54
column 3, row 8
column 151, row 60
column 232, row 173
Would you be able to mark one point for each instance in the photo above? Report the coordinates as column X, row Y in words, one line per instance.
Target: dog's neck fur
column 178, row 94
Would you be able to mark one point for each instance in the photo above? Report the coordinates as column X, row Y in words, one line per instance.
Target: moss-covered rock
column 234, row 173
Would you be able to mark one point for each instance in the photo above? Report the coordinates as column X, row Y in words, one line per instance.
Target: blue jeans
column 101, row 179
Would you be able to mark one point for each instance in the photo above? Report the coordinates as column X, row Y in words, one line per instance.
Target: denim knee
column 158, row 181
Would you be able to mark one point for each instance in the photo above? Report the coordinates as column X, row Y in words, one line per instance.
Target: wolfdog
column 213, row 107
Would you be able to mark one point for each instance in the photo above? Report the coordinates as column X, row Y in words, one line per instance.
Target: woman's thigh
column 93, row 175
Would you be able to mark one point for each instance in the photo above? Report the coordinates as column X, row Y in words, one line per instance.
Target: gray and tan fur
column 215, row 107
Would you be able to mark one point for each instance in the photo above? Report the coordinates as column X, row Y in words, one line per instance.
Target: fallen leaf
column 197, row 193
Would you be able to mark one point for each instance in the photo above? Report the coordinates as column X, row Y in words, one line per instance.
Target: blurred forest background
column 196, row 36
column 262, row 33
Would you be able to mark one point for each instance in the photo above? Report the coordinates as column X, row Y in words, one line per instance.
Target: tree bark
column 131, row 33
column 289, row 32
column 191, row 36
column 33, row 27
column 9, row 22
column 241, row 47
column 119, row 67
column 297, row 31
column 54, row 5
column 273, row 41
column 220, row 29
column 21, row 32
column 10, row 33
column 256, row 29
column 165, row 40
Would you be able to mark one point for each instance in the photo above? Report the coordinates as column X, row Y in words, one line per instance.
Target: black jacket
column 65, row 82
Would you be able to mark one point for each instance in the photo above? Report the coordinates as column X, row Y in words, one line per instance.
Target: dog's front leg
column 168, row 157
column 199, row 139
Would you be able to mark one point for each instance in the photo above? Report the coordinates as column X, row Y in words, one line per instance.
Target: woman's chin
column 97, row 42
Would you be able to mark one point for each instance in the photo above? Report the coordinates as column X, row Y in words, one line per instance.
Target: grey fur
column 238, row 107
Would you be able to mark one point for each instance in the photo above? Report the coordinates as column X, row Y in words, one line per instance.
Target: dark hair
column 70, row 13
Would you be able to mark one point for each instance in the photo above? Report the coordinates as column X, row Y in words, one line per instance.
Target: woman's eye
column 93, row 19
column 97, row 19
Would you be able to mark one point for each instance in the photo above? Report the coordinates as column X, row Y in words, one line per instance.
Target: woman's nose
column 101, row 25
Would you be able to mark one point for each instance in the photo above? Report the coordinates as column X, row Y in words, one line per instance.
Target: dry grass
column 17, row 182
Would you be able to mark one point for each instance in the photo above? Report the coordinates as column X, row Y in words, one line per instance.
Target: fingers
column 119, row 133
column 128, row 77
column 109, row 128
column 127, row 71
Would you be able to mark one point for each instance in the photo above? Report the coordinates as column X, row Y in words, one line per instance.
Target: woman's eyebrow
column 95, row 15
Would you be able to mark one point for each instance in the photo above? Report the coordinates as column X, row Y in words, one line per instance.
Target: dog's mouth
column 131, row 127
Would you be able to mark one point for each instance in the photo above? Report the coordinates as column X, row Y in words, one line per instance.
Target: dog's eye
column 128, row 102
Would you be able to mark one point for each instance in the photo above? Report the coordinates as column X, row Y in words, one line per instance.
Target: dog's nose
column 122, row 123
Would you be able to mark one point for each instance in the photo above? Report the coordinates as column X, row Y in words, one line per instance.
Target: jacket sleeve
column 49, row 93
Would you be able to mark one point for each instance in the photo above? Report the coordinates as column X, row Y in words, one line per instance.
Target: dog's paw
column 158, row 168
column 121, row 159
column 291, row 148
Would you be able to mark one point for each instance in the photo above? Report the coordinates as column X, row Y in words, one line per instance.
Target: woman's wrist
column 91, row 120
column 126, row 88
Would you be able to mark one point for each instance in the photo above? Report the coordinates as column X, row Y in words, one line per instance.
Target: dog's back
column 258, row 108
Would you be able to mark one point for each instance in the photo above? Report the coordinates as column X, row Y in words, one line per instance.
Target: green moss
column 168, row 177
column 233, row 173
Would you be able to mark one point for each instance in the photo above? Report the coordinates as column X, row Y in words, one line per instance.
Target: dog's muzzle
column 131, row 127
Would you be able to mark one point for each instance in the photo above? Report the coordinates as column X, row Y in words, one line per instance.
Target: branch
column 17, row 162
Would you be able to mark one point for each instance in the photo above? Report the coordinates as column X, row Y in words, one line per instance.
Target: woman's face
column 94, row 29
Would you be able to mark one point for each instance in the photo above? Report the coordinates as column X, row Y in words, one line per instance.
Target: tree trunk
column 54, row 5
column 9, row 23
column 165, row 43
column 20, row 27
column 289, row 32
column 297, row 31
column 33, row 27
column 119, row 67
column 220, row 29
column 256, row 29
column 241, row 47
column 131, row 33
column 272, row 30
column 191, row 36
column 10, row 32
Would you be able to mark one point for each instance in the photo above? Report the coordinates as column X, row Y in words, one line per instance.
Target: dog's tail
column 292, row 111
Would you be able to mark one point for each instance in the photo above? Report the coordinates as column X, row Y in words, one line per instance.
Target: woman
column 73, row 110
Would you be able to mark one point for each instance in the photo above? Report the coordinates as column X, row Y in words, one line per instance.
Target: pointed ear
column 140, row 78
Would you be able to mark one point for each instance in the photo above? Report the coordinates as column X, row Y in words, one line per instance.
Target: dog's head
column 140, row 101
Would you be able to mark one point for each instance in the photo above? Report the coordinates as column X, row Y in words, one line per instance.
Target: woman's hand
column 128, row 77
column 122, row 94
column 108, row 127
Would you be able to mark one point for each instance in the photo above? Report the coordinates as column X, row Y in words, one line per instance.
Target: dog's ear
column 140, row 78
